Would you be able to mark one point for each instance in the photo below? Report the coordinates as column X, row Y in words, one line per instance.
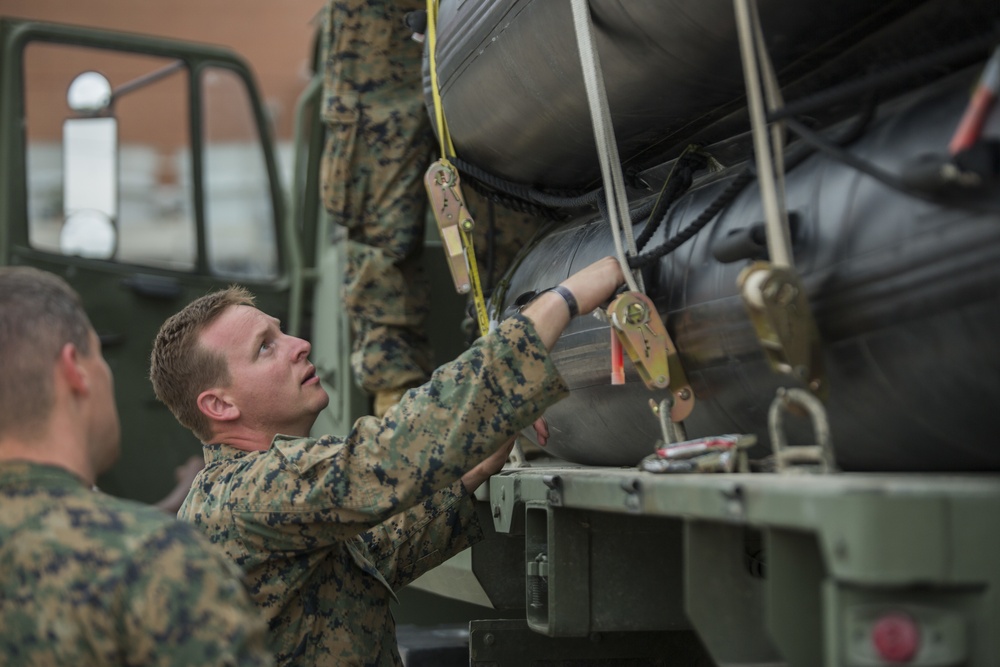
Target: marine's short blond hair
column 180, row 368
column 39, row 313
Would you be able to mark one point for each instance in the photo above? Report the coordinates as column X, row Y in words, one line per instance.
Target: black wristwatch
column 522, row 301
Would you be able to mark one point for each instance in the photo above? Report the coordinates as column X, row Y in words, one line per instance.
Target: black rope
column 677, row 183
column 794, row 158
column 551, row 200
column 672, row 189
column 741, row 180
column 641, row 212
column 513, row 203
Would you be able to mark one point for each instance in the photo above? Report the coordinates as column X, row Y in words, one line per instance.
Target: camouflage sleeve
column 435, row 434
column 412, row 542
column 186, row 605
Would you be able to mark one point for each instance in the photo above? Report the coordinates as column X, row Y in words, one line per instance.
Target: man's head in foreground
column 56, row 392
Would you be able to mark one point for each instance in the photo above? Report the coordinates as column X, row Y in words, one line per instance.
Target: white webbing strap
column 604, row 136
column 769, row 157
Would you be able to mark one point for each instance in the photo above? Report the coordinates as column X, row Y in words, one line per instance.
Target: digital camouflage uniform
column 312, row 521
column 89, row 579
column 379, row 144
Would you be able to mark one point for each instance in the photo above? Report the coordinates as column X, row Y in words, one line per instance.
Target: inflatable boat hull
column 905, row 292
column 514, row 98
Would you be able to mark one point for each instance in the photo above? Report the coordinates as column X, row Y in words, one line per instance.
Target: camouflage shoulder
column 185, row 603
column 301, row 454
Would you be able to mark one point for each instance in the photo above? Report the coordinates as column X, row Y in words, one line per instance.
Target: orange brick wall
column 274, row 36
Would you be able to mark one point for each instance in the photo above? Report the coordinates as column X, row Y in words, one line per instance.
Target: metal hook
column 804, row 458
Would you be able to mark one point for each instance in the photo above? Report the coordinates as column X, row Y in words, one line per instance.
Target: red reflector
column 896, row 637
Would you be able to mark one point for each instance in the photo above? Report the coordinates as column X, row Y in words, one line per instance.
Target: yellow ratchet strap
column 447, row 148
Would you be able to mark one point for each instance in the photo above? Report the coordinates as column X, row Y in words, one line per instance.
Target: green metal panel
column 793, row 592
column 724, row 601
column 778, row 569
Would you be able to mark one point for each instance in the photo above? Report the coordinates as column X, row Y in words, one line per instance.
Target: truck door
column 141, row 170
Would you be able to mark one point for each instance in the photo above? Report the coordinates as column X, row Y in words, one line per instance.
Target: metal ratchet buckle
column 445, row 194
column 645, row 339
column 779, row 311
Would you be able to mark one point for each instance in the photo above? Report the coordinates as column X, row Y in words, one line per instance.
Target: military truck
column 798, row 467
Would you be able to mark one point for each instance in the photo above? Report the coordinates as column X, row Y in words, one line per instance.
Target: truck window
column 155, row 225
column 239, row 219
column 154, row 216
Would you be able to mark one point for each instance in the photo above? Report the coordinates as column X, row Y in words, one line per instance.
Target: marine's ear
column 215, row 405
column 69, row 368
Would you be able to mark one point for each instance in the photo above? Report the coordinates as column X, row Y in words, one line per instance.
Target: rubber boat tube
column 513, row 92
column 905, row 292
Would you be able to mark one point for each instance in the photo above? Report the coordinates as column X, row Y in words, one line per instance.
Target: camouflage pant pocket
column 337, row 168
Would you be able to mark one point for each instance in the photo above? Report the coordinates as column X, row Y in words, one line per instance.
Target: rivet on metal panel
column 554, row 482
column 734, row 500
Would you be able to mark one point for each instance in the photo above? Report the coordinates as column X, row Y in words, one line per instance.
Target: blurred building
column 275, row 36
column 154, row 224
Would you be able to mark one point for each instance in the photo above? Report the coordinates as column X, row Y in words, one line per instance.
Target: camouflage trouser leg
column 379, row 146
column 378, row 149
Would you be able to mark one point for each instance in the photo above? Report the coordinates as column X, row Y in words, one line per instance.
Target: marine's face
column 104, row 429
column 273, row 384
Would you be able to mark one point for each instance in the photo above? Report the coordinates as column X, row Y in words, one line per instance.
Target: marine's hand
column 595, row 284
column 590, row 286
column 488, row 467
column 541, row 431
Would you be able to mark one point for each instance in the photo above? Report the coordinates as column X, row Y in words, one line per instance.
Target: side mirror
column 88, row 233
column 89, row 94
column 90, row 171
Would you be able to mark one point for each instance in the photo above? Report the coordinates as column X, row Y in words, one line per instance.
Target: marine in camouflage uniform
column 89, row 579
column 85, row 578
column 379, row 145
column 316, row 523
